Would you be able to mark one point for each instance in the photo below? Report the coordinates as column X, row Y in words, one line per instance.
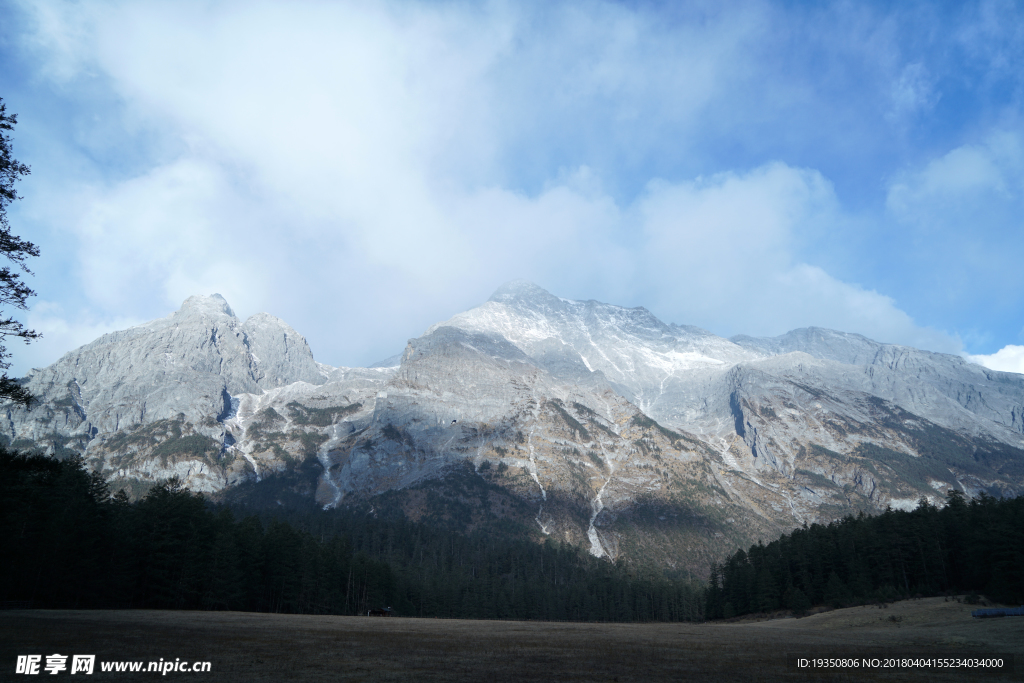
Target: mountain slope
column 587, row 422
column 917, row 380
column 153, row 401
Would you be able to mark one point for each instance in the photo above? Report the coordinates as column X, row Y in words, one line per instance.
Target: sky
column 363, row 170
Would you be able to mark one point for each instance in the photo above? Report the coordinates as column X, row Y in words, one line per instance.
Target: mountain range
column 580, row 421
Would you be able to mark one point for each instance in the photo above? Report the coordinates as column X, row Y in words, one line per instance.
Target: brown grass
column 272, row 647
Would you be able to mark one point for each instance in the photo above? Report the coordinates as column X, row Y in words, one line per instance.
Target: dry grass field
column 271, row 647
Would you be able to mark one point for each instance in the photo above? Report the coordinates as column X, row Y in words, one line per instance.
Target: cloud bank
column 363, row 170
column 1007, row 359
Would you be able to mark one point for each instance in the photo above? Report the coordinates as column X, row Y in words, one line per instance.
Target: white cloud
column 963, row 171
column 957, row 221
column 966, row 178
column 177, row 230
column 1010, row 358
column 912, row 92
column 724, row 253
column 352, row 169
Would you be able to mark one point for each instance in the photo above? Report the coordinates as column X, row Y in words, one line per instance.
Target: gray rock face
column 280, row 354
column 762, row 433
column 188, row 363
column 760, row 404
column 187, row 367
column 638, row 354
column 921, row 381
column 683, row 376
column 843, row 347
column 578, row 452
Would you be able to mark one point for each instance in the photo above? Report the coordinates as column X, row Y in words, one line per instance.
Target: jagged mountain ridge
column 991, row 395
column 615, row 430
column 673, row 372
column 183, row 376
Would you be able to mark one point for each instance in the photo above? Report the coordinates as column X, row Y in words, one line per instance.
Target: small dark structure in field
column 998, row 612
column 382, row 612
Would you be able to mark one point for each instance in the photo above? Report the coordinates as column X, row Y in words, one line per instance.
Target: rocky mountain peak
column 209, row 306
column 188, row 365
column 265, row 320
column 524, row 293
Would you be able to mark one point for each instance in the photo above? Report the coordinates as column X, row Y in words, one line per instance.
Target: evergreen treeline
column 493, row 575
column 66, row 542
column 960, row 548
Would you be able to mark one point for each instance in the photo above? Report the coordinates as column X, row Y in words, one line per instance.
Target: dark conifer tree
column 13, row 291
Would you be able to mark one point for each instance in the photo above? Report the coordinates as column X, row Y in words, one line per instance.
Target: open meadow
column 275, row 647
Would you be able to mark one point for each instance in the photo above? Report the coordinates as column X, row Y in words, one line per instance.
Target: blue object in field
column 999, row 612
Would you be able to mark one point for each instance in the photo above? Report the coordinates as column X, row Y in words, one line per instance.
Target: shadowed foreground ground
column 270, row 647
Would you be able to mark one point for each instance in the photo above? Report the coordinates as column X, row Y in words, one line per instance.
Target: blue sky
column 363, row 170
